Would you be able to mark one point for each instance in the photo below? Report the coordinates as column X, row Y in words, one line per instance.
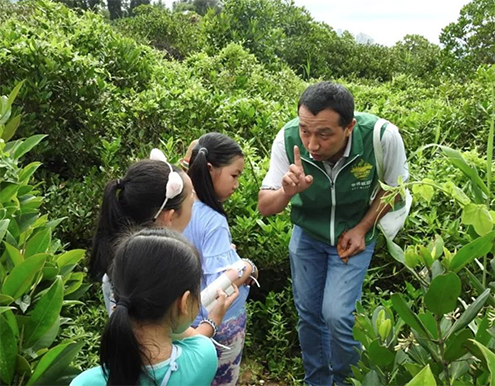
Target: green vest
column 329, row 207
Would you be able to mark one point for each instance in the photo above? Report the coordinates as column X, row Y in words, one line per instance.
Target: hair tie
column 120, row 184
column 203, row 150
column 124, row 302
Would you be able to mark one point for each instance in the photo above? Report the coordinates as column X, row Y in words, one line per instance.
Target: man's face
column 321, row 134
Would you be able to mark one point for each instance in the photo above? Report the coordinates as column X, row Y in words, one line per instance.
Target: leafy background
column 107, row 85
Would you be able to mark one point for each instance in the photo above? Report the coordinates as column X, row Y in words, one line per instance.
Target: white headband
column 174, row 184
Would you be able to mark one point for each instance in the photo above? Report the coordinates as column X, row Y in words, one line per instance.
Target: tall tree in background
column 115, row 8
column 417, row 56
column 470, row 41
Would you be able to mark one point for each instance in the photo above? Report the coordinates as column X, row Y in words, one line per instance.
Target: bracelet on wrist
column 255, row 269
column 211, row 323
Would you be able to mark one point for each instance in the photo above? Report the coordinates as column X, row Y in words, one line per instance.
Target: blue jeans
column 325, row 294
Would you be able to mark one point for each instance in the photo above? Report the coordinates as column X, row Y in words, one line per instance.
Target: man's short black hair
column 328, row 95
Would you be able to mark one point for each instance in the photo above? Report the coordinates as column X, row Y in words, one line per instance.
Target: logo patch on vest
column 361, row 170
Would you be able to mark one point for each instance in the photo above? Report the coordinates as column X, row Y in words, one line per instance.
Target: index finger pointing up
column 297, row 157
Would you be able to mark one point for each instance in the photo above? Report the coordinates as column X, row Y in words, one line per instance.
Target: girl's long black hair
column 151, row 270
column 215, row 149
column 131, row 201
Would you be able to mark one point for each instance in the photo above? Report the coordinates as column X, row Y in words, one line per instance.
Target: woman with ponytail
column 156, row 277
column 215, row 165
column 153, row 193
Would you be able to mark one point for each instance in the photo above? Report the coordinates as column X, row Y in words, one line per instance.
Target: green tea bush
column 175, row 33
column 36, row 273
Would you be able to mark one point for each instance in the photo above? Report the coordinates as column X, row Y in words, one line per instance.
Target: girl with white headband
column 153, row 193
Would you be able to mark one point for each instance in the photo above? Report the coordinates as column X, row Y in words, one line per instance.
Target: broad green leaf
column 13, row 93
column 371, row 379
column 436, row 247
column 6, row 299
column 442, row 294
column 70, row 257
column 426, row 192
column 455, row 345
column 4, row 225
column 429, row 322
column 411, row 257
column 50, row 270
column 423, row 378
column 14, row 254
column 381, row 355
column 11, row 128
column 27, row 145
column 8, row 191
column 28, row 171
column 482, row 335
column 12, row 321
column 22, row 366
column 470, row 313
column 479, row 217
column 53, row 363
column 475, row 249
column 49, row 337
column 8, row 351
column 425, row 256
column 396, row 251
column 408, row 316
column 489, row 357
column 45, row 313
column 21, row 276
column 38, row 243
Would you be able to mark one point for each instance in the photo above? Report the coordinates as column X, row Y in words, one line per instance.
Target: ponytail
column 120, row 353
column 110, row 223
column 202, row 182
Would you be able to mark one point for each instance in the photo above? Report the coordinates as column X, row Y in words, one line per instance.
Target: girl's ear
column 210, row 167
column 183, row 301
column 165, row 218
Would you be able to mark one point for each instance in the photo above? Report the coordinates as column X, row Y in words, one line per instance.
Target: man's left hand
column 351, row 243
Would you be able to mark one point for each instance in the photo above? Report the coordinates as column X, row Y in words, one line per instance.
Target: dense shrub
column 36, row 273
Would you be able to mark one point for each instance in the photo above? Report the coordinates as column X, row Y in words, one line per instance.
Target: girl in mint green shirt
column 156, row 277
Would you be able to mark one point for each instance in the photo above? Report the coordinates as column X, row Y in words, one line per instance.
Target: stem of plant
column 441, row 347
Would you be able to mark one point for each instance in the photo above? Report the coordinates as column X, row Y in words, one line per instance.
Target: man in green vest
column 323, row 163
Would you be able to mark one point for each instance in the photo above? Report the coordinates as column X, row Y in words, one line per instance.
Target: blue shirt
column 209, row 232
column 196, row 359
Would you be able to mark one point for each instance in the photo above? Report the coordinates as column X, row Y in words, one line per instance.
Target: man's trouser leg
column 325, row 293
column 308, row 260
column 343, row 288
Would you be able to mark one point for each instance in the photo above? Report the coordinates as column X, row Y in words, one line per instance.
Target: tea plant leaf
column 489, row 357
column 442, row 294
column 5, row 299
column 381, row 355
column 70, row 257
column 21, row 276
column 22, row 366
column 4, row 225
column 14, row 254
column 38, row 243
column 470, row 313
column 28, row 171
column 8, row 191
column 423, row 378
column 371, row 379
column 53, row 363
column 479, row 217
column 477, row 248
column 455, row 344
column 8, row 351
column 45, row 314
column 27, row 145
column 408, row 316
column 11, row 128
